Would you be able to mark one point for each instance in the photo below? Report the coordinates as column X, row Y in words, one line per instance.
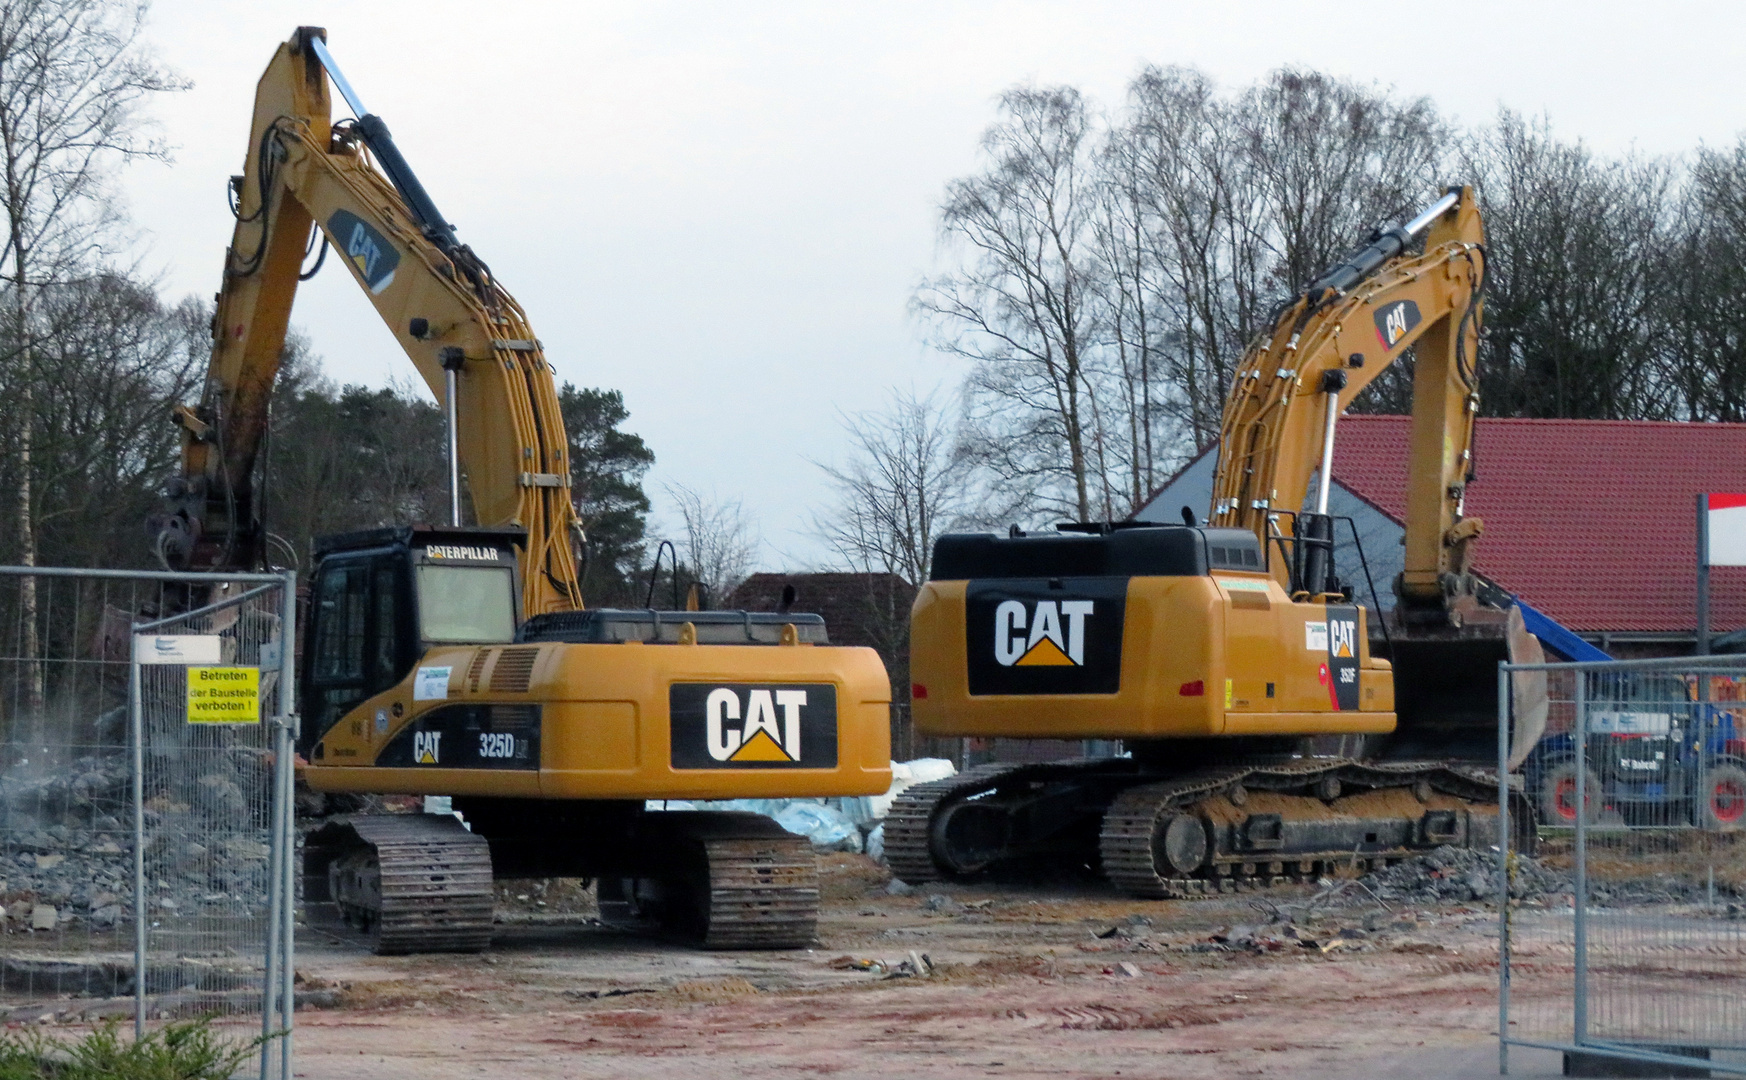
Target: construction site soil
column 1064, row 980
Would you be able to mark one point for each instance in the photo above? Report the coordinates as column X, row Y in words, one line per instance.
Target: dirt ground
column 1063, row 980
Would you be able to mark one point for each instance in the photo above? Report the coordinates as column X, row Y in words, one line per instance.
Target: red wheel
column 1558, row 795
column 1564, row 803
column 1722, row 799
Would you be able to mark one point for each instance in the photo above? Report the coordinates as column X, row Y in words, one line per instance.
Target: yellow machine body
column 1225, row 654
column 604, row 728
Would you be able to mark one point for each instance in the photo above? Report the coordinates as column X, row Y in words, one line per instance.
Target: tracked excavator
column 459, row 660
column 1275, row 727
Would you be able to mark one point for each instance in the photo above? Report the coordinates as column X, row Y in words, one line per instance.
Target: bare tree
column 902, row 485
column 112, row 361
column 1239, row 201
column 1025, row 303
column 1123, row 244
column 719, row 543
column 1333, row 159
column 1704, row 269
column 1575, row 307
column 1191, row 263
column 73, row 81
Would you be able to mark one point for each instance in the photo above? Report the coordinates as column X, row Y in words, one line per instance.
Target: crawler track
column 727, row 880
column 410, row 882
column 908, row 824
column 1315, row 816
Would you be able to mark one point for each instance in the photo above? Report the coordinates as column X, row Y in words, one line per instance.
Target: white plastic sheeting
column 840, row 824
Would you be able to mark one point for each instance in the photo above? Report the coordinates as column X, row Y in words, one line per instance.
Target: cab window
column 466, row 604
column 340, row 624
column 360, row 644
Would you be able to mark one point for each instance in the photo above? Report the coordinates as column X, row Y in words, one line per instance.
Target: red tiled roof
column 1591, row 521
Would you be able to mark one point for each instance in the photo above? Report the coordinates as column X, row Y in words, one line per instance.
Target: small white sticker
column 176, row 649
column 381, row 721
column 1315, row 636
column 432, row 683
column 269, row 655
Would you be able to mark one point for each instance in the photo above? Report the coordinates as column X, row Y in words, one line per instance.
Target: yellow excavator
column 459, row 660
column 1275, row 728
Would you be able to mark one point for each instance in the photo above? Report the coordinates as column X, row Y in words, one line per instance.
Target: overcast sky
column 721, row 209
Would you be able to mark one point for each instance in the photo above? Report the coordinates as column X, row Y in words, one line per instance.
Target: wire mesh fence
column 142, row 794
column 1639, row 788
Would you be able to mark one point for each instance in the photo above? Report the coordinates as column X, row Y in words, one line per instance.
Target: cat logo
column 1339, row 672
column 1342, row 638
column 425, row 749
column 1045, row 645
column 757, row 726
column 1395, row 321
column 760, row 737
column 1044, row 636
column 370, row 254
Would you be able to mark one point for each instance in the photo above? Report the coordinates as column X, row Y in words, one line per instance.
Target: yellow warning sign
column 224, row 695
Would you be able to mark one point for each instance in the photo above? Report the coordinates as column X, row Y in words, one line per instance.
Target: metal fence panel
column 140, row 852
column 1639, row 784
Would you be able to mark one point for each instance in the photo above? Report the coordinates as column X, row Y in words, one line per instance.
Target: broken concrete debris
column 66, row 840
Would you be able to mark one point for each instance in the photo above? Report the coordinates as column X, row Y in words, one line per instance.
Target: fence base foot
column 1597, row 1065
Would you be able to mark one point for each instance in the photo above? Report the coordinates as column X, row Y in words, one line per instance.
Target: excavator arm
column 1330, row 343
column 443, row 305
column 1446, row 633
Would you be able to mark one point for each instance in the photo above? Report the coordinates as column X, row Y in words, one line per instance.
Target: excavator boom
column 444, row 306
column 1332, row 342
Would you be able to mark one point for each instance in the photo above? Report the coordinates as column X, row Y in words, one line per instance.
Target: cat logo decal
column 739, row 726
column 1056, row 636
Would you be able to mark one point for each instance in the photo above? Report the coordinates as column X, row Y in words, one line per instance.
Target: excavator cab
column 382, row 598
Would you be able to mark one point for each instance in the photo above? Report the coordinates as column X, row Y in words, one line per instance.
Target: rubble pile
column 1654, row 889
column 1461, row 875
column 1451, row 874
column 66, row 841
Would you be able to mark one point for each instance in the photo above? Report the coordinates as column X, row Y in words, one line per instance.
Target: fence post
column 136, row 735
column 276, row 900
column 287, row 808
column 1703, row 574
column 1503, row 869
column 1580, row 1009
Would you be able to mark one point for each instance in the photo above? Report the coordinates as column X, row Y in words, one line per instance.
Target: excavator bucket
column 1446, row 690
